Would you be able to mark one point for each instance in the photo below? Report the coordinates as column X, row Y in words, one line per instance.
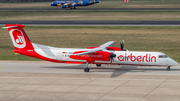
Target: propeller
column 122, row 46
column 112, row 55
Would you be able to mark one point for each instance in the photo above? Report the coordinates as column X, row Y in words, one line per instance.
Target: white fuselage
column 122, row 57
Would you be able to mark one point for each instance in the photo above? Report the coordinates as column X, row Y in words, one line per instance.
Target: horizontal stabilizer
column 14, row 26
column 10, row 27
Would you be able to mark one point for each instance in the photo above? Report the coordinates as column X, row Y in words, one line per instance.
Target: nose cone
column 173, row 63
column 51, row 4
column 176, row 64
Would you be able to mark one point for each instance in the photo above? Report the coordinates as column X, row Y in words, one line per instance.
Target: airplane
column 103, row 54
column 73, row 4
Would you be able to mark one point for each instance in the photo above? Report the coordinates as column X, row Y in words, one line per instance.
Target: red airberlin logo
column 139, row 58
column 17, row 38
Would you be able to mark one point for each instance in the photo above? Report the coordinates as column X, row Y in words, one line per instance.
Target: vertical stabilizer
column 19, row 38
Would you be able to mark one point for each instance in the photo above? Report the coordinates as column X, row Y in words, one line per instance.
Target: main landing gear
column 73, row 7
column 87, row 68
column 98, row 65
column 168, row 68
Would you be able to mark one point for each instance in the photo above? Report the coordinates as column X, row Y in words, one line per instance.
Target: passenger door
column 59, row 56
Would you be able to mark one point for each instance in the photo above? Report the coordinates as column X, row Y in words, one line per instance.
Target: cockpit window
column 163, row 56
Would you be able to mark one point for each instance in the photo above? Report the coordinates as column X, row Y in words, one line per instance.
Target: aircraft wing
column 107, row 44
column 66, row 4
column 100, row 48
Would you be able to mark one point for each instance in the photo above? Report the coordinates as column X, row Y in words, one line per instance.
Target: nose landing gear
column 168, row 68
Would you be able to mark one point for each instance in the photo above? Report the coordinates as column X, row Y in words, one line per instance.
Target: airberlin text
column 139, row 58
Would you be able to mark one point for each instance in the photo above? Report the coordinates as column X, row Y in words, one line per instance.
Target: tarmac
column 92, row 23
column 46, row 81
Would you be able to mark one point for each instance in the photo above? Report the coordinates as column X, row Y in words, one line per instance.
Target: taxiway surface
column 93, row 23
column 45, row 81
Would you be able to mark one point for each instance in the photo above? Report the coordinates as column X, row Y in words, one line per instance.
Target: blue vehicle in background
column 73, row 4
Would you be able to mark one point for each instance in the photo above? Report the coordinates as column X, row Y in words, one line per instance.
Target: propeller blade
column 112, row 55
column 122, row 46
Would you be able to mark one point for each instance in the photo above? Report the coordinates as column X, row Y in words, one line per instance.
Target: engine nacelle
column 83, row 3
column 114, row 48
column 108, row 48
column 106, row 55
column 64, row 6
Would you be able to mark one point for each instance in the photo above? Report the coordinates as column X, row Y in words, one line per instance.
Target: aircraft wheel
column 74, row 7
column 168, row 69
column 98, row 65
column 86, row 69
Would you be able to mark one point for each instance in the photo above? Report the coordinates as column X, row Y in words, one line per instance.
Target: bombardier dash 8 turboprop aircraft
column 103, row 54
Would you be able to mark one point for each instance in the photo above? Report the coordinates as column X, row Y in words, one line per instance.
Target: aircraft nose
column 51, row 4
column 173, row 63
column 176, row 64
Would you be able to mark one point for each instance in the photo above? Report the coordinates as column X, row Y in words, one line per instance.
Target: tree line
column 18, row 1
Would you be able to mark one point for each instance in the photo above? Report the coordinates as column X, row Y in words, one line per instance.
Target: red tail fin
column 18, row 36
